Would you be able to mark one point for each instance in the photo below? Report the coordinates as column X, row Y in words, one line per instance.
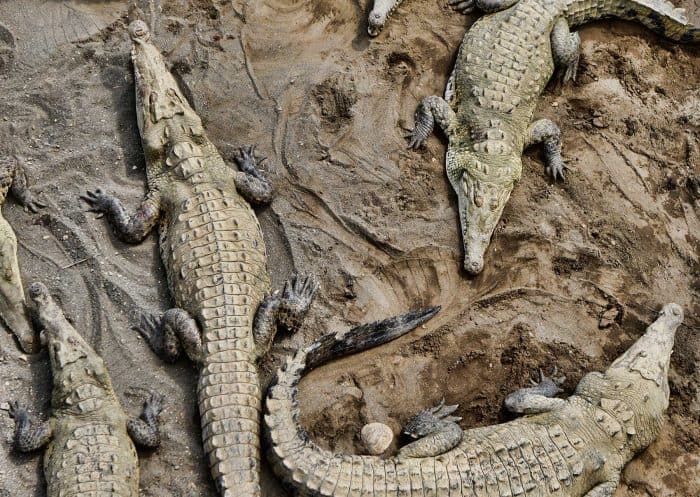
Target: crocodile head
column 380, row 13
column 633, row 393
column 482, row 193
column 159, row 99
column 80, row 379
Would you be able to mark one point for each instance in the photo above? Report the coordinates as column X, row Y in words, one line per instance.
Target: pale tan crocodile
column 574, row 447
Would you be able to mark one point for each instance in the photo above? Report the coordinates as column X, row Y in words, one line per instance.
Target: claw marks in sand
column 89, row 440
column 13, row 311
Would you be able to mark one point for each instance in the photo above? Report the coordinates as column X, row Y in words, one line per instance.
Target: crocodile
column 89, row 440
column 13, row 311
column 571, row 447
column 214, row 254
column 504, row 62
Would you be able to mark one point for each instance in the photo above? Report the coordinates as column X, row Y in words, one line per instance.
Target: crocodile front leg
column 565, row 49
column 251, row 184
column 131, row 228
column 30, row 435
column 538, row 398
column 546, row 132
column 144, row 429
column 287, row 309
column 431, row 110
column 172, row 333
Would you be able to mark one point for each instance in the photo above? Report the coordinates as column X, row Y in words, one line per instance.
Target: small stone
column 598, row 122
column 376, row 437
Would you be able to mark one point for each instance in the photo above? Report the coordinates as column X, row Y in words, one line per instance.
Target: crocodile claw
column 97, row 200
column 16, row 410
column 154, row 404
column 549, row 385
column 297, row 295
column 149, row 326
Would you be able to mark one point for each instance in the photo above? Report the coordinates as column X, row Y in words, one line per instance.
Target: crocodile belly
column 90, row 460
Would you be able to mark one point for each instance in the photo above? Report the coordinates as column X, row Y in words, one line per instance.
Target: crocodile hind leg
column 144, row 429
column 565, row 49
column 287, row 309
column 431, row 110
column 538, row 398
column 254, row 187
column 172, row 333
column 547, row 133
column 29, row 434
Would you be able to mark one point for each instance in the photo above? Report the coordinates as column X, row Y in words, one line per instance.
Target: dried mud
column 375, row 222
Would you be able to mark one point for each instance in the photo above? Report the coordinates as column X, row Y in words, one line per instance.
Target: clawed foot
column 32, row 204
column 150, row 330
column 247, row 160
column 16, row 411
column 153, row 406
column 297, row 296
column 549, row 386
column 416, row 139
column 97, row 200
column 462, row 6
column 555, row 169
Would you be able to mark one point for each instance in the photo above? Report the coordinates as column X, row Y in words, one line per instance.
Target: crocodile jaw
column 380, row 13
column 480, row 207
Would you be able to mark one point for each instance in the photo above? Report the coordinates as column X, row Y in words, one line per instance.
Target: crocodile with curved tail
column 505, row 60
column 90, row 442
column 574, row 447
column 214, row 255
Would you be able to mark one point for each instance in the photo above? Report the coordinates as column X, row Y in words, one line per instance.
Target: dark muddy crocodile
column 12, row 302
column 88, row 437
column 572, row 447
column 214, row 254
column 506, row 59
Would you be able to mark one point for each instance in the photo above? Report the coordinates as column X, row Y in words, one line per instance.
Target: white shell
column 377, row 437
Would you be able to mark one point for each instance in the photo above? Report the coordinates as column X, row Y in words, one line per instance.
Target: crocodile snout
column 138, row 30
column 473, row 267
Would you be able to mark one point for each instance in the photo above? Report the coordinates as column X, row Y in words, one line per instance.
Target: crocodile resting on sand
column 505, row 60
column 572, row 447
column 214, row 255
column 12, row 303
column 88, row 437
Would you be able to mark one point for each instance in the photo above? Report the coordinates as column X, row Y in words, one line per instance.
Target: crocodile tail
column 230, row 401
column 660, row 16
column 294, row 457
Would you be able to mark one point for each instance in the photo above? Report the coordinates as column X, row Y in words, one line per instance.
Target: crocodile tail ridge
column 661, row 16
column 295, row 458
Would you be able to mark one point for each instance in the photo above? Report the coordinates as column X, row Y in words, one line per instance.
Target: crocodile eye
column 494, row 204
column 479, row 200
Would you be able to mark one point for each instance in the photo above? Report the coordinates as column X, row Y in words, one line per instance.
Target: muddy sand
column 575, row 272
